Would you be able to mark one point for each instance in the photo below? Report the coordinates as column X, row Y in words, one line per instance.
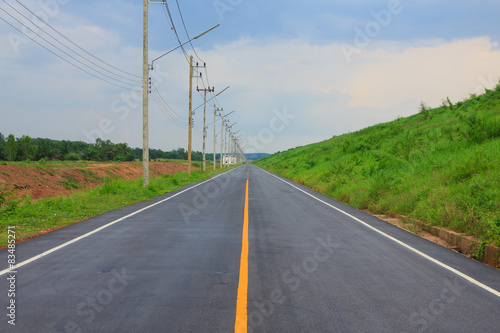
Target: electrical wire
column 68, row 48
column 185, row 29
column 78, row 46
column 172, row 25
column 59, row 56
column 167, row 114
column 169, row 16
column 120, row 82
column 174, row 116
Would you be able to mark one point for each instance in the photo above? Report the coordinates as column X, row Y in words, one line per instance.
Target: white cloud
column 326, row 95
column 331, row 97
column 449, row 69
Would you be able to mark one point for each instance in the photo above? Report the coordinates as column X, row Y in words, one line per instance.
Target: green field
column 441, row 166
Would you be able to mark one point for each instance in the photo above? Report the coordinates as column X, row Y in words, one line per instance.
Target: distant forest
column 26, row 148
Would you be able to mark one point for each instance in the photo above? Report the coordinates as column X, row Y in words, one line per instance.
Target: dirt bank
column 42, row 181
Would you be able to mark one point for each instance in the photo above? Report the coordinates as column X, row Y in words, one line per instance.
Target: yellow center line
column 240, row 325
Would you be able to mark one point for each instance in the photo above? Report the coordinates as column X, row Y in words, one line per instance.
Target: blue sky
column 299, row 72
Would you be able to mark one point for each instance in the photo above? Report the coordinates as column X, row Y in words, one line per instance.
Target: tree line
column 26, row 148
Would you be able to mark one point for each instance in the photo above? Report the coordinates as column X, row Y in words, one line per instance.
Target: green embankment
column 33, row 218
column 441, row 166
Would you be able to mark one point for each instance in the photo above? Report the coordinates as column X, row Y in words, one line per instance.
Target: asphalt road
column 176, row 265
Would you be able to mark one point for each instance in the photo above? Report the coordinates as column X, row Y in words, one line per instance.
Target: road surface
column 246, row 251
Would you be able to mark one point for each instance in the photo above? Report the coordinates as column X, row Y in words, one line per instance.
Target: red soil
column 44, row 182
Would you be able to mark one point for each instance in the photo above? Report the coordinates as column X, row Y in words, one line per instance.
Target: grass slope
column 441, row 166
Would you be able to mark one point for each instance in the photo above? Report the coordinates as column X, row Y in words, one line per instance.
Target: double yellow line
column 240, row 325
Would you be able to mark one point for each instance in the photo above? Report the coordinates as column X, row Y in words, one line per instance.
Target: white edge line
column 27, row 261
column 437, row 262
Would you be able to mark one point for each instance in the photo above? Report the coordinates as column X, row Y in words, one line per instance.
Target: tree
column 71, row 157
column 106, row 148
column 11, row 147
column 2, row 147
column 27, row 149
column 45, row 148
column 92, row 154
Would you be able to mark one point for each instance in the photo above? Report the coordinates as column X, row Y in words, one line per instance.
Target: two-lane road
column 245, row 250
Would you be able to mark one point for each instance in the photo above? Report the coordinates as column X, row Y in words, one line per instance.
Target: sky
column 298, row 72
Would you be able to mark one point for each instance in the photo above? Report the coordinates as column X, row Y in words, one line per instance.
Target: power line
column 166, row 113
column 169, row 16
column 78, row 46
column 58, row 55
column 194, row 50
column 174, row 116
column 71, row 50
column 175, row 113
column 185, row 29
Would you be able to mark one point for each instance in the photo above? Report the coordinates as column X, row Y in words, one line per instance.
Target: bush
column 130, row 157
column 71, row 157
column 423, row 108
column 120, row 158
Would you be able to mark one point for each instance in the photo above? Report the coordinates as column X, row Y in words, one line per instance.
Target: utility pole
column 215, row 113
column 229, row 153
column 205, row 90
column 146, row 85
column 146, row 82
column 228, row 143
column 223, row 121
column 231, row 143
column 145, row 100
column 234, row 159
column 190, row 130
column 221, row 140
column 225, row 142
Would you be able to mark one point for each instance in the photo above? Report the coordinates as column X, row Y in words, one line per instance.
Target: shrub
column 71, row 157
column 423, row 108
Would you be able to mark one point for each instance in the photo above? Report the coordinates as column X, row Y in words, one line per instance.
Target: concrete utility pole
column 231, row 148
column 145, row 100
column 205, row 120
column 238, row 151
column 228, row 144
column 223, row 121
column 225, row 141
column 221, row 140
column 215, row 114
column 146, row 82
column 190, row 130
column 234, row 160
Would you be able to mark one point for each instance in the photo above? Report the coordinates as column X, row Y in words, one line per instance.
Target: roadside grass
column 35, row 218
column 441, row 166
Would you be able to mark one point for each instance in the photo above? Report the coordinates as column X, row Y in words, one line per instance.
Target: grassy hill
column 441, row 166
column 256, row 156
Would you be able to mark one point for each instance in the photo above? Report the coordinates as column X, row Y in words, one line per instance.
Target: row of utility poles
column 230, row 151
